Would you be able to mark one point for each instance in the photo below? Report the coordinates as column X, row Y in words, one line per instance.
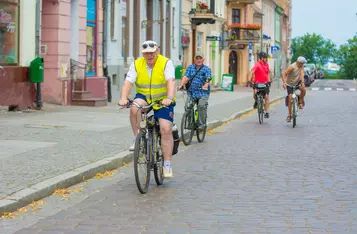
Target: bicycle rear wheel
column 159, row 160
column 141, row 164
column 260, row 109
column 187, row 127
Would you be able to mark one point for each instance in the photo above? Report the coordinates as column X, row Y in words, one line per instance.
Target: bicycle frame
column 192, row 106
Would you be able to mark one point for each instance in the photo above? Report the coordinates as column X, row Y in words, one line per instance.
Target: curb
column 46, row 188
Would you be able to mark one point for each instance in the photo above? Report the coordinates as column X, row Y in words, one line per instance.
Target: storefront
column 16, row 52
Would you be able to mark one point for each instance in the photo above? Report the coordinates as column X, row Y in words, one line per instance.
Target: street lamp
column 191, row 15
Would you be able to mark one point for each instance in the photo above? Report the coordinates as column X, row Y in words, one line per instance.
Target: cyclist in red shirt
column 261, row 75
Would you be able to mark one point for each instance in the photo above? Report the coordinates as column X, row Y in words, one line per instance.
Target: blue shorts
column 163, row 113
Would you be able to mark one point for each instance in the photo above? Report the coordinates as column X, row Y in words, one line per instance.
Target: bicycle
column 190, row 122
column 295, row 103
column 147, row 150
column 261, row 93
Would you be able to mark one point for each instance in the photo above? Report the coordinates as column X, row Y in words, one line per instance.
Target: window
column 91, row 37
column 9, row 25
column 112, row 20
column 235, row 16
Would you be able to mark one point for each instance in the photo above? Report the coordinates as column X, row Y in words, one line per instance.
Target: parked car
column 313, row 69
column 308, row 76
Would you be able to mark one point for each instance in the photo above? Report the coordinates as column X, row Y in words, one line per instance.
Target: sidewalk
column 58, row 146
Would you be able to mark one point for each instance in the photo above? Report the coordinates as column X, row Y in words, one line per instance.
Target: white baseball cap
column 301, row 59
column 149, row 47
column 199, row 54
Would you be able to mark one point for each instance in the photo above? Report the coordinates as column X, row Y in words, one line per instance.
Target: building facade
column 201, row 31
column 128, row 24
column 17, row 50
column 71, row 45
column 242, row 36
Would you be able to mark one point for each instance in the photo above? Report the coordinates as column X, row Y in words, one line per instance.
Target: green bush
column 336, row 76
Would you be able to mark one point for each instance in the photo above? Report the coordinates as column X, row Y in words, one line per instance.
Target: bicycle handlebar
column 131, row 102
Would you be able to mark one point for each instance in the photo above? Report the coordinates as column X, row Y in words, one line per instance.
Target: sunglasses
column 151, row 45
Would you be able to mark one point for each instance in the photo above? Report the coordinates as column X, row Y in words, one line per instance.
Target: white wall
column 114, row 51
column 269, row 20
column 27, row 32
column 175, row 32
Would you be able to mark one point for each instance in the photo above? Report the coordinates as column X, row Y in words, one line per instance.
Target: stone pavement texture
column 245, row 178
column 40, row 145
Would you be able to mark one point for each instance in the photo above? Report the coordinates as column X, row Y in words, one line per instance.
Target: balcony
column 199, row 15
column 242, row 35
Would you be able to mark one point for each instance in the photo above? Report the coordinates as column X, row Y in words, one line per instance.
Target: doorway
column 233, row 66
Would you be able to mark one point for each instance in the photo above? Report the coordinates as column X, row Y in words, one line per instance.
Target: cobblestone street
column 245, row 178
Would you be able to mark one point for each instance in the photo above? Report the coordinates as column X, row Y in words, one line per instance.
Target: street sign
column 250, row 45
column 213, row 38
column 274, row 48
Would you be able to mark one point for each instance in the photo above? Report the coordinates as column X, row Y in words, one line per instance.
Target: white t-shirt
column 169, row 72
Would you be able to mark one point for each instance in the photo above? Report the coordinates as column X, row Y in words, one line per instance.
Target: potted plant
column 201, row 7
column 246, row 26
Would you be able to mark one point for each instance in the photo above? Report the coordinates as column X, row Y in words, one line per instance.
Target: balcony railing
column 240, row 34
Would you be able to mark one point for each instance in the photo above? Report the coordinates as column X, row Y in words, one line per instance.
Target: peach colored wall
column 99, row 38
column 52, row 86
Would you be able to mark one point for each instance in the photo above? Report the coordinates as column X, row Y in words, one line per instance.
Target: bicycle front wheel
column 142, row 167
column 159, row 160
column 294, row 112
column 187, row 126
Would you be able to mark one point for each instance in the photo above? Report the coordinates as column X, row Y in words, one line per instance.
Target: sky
column 335, row 20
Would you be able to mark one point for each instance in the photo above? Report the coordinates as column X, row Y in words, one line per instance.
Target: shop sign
column 5, row 17
column 185, row 38
column 213, row 38
column 237, row 47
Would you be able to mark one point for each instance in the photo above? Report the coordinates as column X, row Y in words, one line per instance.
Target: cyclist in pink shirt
column 261, row 75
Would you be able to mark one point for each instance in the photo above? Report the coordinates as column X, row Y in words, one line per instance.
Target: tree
column 347, row 57
column 315, row 48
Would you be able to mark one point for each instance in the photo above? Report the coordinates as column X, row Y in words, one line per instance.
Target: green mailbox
column 36, row 70
column 178, row 72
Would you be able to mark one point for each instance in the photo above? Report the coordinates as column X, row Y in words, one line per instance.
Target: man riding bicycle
column 294, row 76
column 154, row 77
column 200, row 77
column 261, row 75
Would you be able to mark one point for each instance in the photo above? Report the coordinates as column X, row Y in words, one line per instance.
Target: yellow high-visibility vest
column 155, row 87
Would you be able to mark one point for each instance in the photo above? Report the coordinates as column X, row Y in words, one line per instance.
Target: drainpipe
column 105, row 48
column 38, row 30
